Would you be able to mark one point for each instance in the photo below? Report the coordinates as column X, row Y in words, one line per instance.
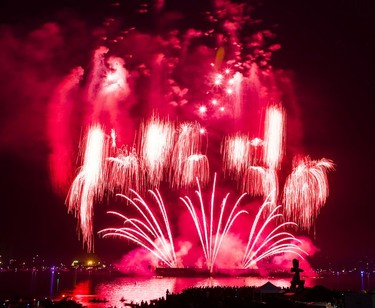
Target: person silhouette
column 296, row 283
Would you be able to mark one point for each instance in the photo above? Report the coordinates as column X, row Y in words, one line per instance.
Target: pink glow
column 60, row 111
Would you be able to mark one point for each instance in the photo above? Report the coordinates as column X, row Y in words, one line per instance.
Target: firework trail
column 263, row 244
column 306, row 190
column 88, row 183
column 147, row 231
column 212, row 231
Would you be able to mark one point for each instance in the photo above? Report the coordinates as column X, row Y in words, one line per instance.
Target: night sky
column 327, row 46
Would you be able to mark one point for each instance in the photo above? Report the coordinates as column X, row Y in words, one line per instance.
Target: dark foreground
column 222, row 297
column 247, row 297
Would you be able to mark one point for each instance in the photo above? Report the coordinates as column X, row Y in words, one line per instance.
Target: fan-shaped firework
column 263, row 243
column 146, row 231
column 212, row 230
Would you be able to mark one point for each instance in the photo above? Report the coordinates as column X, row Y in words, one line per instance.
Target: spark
column 211, row 236
column 147, row 231
column 263, row 244
column 202, row 110
column 306, row 190
column 218, row 79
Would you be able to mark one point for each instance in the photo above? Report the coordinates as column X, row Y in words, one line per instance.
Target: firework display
column 184, row 110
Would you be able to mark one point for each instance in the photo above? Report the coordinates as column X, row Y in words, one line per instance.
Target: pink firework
column 88, row 184
column 260, row 181
column 146, row 231
column 125, row 171
column 306, row 190
column 253, row 181
column 256, row 151
column 212, row 231
column 263, row 243
column 156, row 144
column 195, row 166
column 187, row 162
column 274, row 136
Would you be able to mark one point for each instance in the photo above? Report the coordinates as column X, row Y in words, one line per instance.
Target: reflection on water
column 137, row 289
column 85, row 286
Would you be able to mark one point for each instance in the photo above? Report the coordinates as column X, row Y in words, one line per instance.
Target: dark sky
column 328, row 45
